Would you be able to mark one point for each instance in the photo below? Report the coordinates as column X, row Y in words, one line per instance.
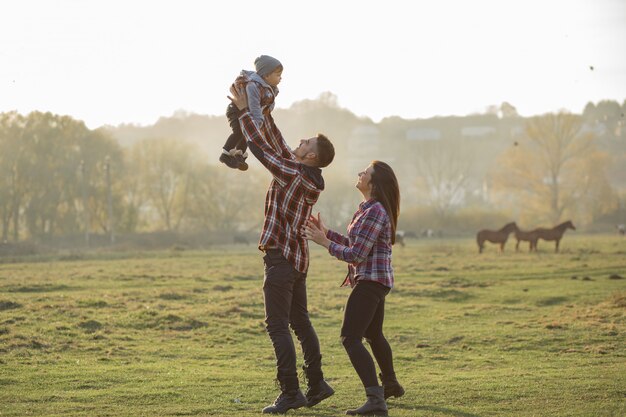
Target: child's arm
column 254, row 102
column 283, row 169
column 253, row 91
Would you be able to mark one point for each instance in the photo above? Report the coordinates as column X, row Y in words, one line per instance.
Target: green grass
column 181, row 333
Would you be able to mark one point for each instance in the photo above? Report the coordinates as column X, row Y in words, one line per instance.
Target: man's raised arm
column 282, row 168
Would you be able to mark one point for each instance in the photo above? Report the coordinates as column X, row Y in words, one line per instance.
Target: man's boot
column 374, row 406
column 318, row 389
column 290, row 397
column 316, row 393
column 392, row 386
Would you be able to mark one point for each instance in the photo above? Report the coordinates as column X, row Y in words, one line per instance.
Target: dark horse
column 495, row 236
column 556, row 233
column 529, row 236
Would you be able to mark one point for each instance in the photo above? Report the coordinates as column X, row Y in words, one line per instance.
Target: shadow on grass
column 443, row 410
column 440, row 294
column 41, row 288
column 9, row 305
column 551, row 301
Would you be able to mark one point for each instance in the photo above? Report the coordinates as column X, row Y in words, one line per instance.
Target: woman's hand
column 312, row 232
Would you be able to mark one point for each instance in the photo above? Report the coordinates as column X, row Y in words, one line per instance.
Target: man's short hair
column 325, row 151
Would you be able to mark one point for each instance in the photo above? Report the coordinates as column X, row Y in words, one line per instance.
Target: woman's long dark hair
column 385, row 190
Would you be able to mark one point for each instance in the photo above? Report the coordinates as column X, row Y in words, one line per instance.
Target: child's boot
column 229, row 159
column 241, row 160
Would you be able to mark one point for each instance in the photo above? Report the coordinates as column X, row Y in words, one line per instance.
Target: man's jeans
column 284, row 291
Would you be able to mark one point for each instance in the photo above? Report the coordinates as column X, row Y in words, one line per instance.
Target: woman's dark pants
column 363, row 317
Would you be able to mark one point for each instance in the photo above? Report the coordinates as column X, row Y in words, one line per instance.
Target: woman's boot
column 374, row 406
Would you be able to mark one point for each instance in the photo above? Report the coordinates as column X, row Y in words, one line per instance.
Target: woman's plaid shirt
column 367, row 248
column 292, row 193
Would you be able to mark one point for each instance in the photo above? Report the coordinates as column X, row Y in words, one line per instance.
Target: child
column 261, row 89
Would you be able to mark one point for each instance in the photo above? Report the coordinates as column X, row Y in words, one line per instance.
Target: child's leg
column 242, row 145
column 233, row 142
column 228, row 155
column 235, row 138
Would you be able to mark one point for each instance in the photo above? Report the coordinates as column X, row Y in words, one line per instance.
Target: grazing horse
column 400, row 238
column 495, row 236
column 529, row 236
column 556, row 233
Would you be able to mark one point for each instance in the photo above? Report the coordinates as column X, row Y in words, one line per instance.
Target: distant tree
column 443, row 174
column 590, row 113
column 508, row 110
column 609, row 109
column 53, row 146
column 338, row 201
column 97, row 149
column 607, row 112
column 165, row 168
column 13, row 169
column 492, row 109
column 554, row 168
column 594, row 196
column 505, row 109
column 306, row 118
column 53, row 149
column 132, row 195
column 610, row 114
column 225, row 200
column 41, row 183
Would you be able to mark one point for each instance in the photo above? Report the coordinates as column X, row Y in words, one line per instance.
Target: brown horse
column 556, row 233
column 529, row 236
column 495, row 236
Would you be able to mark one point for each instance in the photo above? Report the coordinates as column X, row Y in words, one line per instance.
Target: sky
column 133, row 61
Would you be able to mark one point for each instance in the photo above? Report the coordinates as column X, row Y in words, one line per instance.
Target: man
column 295, row 187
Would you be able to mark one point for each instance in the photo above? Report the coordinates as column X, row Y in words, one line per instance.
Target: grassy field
column 181, row 333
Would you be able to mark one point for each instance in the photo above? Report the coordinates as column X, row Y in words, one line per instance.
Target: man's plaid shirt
column 292, row 193
column 367, row 248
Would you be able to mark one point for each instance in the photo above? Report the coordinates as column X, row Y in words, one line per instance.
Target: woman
column 367, row 250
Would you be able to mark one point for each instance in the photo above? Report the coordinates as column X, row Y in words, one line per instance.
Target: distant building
column 598, row 129
column 477, row 131
column 364, row 145
column 423, row 134
column 517, row 132
column 363, row 136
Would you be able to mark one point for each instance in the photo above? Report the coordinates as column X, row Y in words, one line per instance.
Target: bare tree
column 12, row 170
column 165, row 168
column 444, row 174
column 551, row 169
column 227, row 200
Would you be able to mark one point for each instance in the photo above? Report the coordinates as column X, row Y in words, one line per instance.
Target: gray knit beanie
column 265, row 64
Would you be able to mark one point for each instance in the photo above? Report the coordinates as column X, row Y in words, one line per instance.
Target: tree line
column 57, row 177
